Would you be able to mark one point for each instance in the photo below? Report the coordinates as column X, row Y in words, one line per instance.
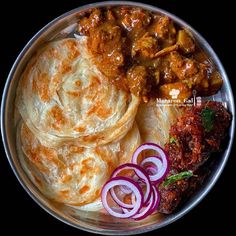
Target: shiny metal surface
column 94, row 221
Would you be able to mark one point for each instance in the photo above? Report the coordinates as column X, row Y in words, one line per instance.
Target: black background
column 20, row 20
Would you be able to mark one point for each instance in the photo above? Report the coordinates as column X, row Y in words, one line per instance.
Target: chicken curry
column 147, row 53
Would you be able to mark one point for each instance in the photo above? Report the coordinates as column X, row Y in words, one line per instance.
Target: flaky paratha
column 62, row 97
column 154, row 121
column 71, row 174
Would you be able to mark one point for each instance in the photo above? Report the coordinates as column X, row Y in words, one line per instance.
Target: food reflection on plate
column 92, row 133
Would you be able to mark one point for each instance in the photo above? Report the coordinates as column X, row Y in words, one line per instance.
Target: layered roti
column 62, row 97
column 155, row 121
column 71, row 174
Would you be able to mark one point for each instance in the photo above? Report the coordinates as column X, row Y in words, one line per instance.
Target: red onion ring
column 141, row 173
column 136, row 189
column 118, row 201
column 145, row 211
column 151, row 170
column 162, row 172
column 162, row 168
column 150, row 208
column 157, row 199
column 125, row 190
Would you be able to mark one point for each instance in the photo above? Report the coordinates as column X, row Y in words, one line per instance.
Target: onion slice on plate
column 151, row 169
column 161, row 166
column 150, row 208
column 157, row 199
column 124, row 181
column 140, row 186
column 145, row 211
column 141, row 173
column 125, row 190
column 160, row 161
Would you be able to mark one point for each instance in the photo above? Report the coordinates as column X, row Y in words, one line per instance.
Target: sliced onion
column 161, row 167
column 151, row 170
column 141, row 173
column 161, row 162
column 157, row 199
column 118, row 200
column 148, row 146
column 125, row 190
column 149, row 209
column 145, row 211
column 124, row 181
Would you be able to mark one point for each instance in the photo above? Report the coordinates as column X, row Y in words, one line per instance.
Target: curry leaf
column 173, row 178
column 172, row 140
column 208, row 117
